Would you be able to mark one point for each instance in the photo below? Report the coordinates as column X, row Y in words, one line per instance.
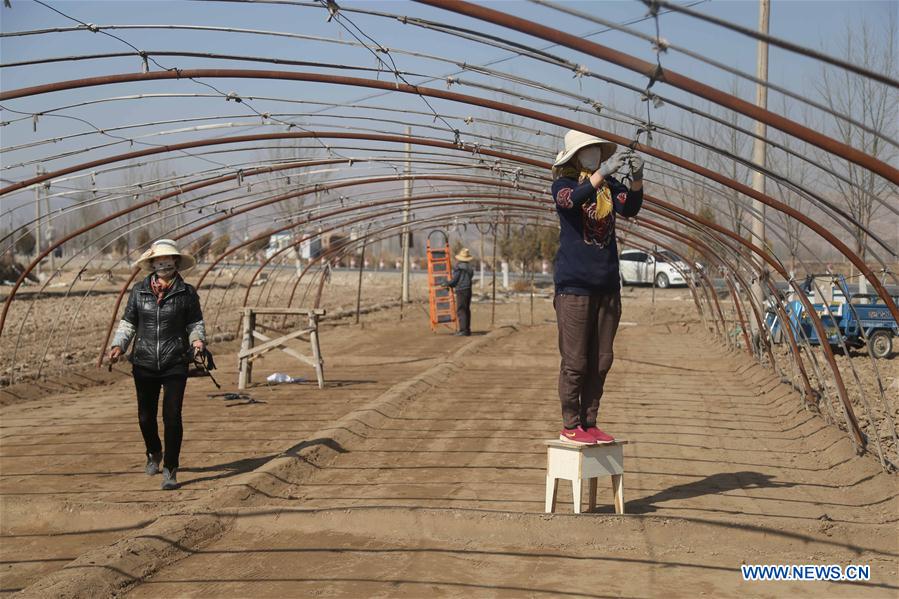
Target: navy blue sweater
column 587, row 260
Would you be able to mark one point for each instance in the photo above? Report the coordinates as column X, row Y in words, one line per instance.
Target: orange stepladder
column 440, row 271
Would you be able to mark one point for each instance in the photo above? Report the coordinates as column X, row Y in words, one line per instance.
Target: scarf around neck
column 159, row 287
column 603, row 194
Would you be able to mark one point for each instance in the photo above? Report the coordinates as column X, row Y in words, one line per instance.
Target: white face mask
column 590, row 157
column 163, row 267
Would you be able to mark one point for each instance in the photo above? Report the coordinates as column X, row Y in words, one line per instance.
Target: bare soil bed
column 419, row 470
column 48, row 334
column 875, row 404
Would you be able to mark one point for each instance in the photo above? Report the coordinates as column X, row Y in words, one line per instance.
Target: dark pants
column 148, row 406
column 587, row 327
column 463, row 310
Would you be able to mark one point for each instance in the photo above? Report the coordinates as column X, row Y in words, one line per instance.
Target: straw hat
column 464, row 256
column 165, row 247
column 575, row 140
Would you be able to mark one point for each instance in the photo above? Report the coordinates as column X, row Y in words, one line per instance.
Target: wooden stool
column 578, row 462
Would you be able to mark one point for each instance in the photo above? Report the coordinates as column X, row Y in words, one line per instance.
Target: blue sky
column 805, row 22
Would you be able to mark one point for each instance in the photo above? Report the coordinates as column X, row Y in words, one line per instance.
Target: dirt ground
column 49, row 333
column 875, row 404
column 419, row 470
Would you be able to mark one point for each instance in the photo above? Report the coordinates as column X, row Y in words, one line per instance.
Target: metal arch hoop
column 442, row 232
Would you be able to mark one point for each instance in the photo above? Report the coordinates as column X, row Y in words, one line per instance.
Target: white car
column 637, row 267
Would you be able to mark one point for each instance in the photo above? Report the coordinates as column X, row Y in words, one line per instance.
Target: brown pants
column 587, row 327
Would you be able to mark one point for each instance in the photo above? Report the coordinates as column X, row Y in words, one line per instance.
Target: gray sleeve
column 128, row 324
column 123, row 335
column 196, row 328
column 196, row 331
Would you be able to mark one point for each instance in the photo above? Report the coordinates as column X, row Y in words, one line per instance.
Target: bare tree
column 143, row 238
column 692, row 190
column 220, row 245
column 529, row 245
column 505, row 136
column 143, row 182
column 797, row 171
column 299, row 178
column 201, row 246
column 25, row 244
column 872, row 46
column 86, row 211
column 736, row 145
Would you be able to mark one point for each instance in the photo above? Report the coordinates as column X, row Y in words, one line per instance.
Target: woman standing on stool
column 165, row 315
column 587, row 284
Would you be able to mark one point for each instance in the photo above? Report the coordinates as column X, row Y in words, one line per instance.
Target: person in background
column 164, row 315
column 587, row 284
column 463, row 273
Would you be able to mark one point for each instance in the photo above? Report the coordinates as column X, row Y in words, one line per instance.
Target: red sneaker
column 578, row 436
column 600, row 436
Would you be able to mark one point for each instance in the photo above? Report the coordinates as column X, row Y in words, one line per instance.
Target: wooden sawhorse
column 249, row 351
column 579, row 462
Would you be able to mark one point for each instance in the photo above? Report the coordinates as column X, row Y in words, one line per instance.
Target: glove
column 635, row 164
column 614, row 162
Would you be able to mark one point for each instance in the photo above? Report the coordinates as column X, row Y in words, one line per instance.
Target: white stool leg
column 576, row 494
column 552, row 486
column 618, row 490
column 591, row 494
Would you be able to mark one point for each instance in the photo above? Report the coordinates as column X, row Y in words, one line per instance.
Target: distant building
column 309, row 248
column 277, row 242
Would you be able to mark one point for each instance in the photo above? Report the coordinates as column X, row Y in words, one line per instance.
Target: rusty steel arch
column 738, row 264
column 708, row 173
column 670, row 77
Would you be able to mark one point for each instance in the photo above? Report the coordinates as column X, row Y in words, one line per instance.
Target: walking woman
column 164, row 316
column 587, row 285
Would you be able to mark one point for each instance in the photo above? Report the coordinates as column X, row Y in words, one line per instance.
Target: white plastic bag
column 280, row 377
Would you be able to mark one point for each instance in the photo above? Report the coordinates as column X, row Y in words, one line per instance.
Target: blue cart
column 845, row 319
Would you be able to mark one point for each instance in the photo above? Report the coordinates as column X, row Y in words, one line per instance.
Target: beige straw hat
column 464, row 256
column 165, row 247
column 575, row 140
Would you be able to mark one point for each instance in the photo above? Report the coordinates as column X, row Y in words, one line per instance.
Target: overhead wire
column 804, row 98
column 391, row 58
column 226, row 95
column 582, row 71
column 774, row 41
